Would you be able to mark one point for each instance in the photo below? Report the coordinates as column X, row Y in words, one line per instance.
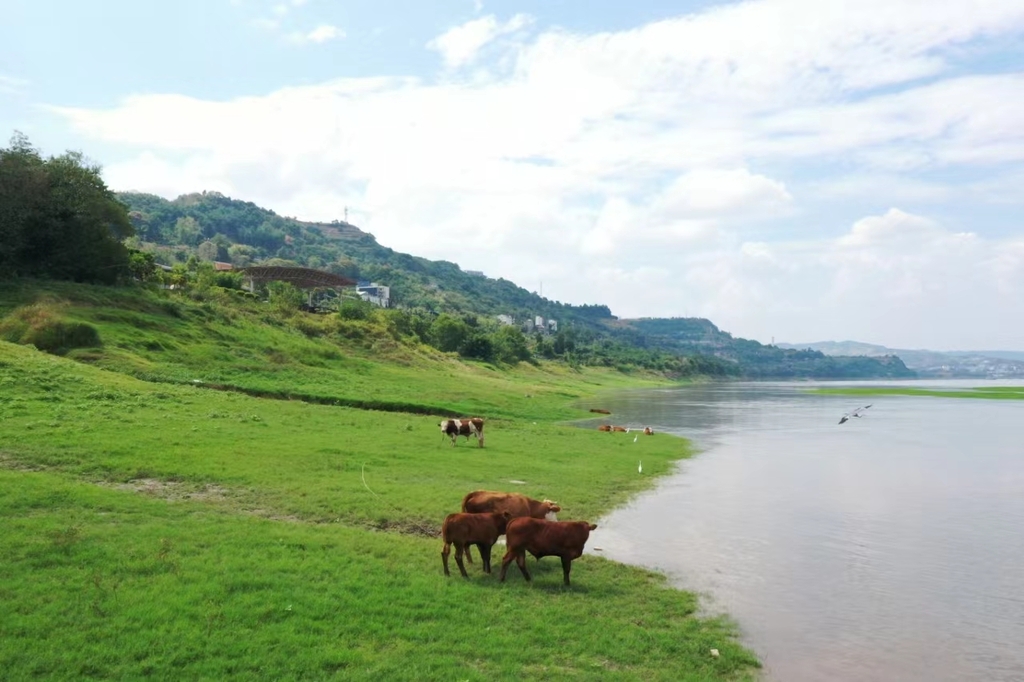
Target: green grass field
column 156, row 529
column 988, row 392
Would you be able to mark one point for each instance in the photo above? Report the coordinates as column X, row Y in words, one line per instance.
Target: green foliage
column 510, row 345
column 448, row 333
column 353, row 309
column 463, row 305
column 285, row 297
column 44, row 326
column 58, row 219
column 141, row 265
column 752, row 359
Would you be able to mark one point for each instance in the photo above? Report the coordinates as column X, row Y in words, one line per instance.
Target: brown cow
column 471, row 426
column 564, row 539
column 598, row 410
column 516, row 504
column 620, row 429
column 463, row 530
column 648, row 431
column 604, row 427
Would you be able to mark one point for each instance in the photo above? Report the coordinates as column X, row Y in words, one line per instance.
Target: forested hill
column 214, row 227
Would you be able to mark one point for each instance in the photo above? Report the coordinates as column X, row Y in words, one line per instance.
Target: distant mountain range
column 977, row 364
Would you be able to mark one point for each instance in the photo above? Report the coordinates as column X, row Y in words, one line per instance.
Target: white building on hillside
column 377, row 294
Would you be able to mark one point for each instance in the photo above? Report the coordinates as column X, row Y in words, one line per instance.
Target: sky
column 794, row 170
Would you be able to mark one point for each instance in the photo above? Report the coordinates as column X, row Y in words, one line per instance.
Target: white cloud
column 657, row 169
column 459, row 45
column 321, row 34
column 10, row 84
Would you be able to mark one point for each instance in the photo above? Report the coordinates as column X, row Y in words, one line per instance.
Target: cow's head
column 553, row 509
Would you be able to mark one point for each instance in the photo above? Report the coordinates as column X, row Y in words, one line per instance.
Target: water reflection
column 887, row 548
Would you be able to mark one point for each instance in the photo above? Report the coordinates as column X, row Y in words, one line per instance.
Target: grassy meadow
column 158, row 529
column 987, row 392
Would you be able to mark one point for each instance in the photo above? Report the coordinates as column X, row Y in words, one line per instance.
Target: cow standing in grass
column 463, row 530
column 516, row 504
column 473, row 426
column 564, row 539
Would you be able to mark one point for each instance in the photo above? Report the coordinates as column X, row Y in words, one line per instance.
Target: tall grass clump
column 43, row 325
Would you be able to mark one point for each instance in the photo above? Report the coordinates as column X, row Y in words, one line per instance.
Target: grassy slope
column 252, row 506
column 988, row 392
column 244, row 343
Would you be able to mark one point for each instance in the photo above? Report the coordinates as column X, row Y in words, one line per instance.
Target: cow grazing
column 598, row 410
column 564, row 539
column 648, row 431
column 516, row 504
column 604, row 427
column 453, row 428
column 620, row 429
column 463, row 530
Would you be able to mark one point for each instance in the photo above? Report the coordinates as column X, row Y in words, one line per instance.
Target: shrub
column 42, row 326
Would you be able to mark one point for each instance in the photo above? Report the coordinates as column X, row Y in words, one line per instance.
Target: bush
column 41, row 325
column 352, row 309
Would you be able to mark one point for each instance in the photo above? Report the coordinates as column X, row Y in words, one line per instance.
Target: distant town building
column 374, row 293
column 528, row 326
column 220, row 265
column 552, row 326
column 506, row 320
column 539, row 322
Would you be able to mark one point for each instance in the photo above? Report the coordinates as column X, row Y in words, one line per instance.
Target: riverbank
column 987, row 392
column 158, row 526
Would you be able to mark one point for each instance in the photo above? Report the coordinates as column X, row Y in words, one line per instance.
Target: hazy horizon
column 784, row 168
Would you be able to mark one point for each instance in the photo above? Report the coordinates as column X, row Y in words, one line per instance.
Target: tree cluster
column 58, row 219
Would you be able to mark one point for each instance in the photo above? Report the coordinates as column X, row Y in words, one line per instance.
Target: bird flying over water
column 856, row 413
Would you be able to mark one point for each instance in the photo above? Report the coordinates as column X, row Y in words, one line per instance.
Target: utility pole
column 346, row 214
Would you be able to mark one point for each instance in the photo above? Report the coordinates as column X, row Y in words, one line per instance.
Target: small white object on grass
column 640, row 469
column 714, row 653
column 634, row 438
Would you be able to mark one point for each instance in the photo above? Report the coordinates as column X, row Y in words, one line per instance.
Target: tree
column 448, row 333
column 510, row 345
column 207, row 251
column 58, row 219
column 141, row 265
column 187, row 231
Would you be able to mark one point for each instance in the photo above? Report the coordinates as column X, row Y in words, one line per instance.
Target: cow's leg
column 485, row 555
column 459, row 548
column 521, row 563
column 505, row 561
column 444, row 556
column 469, row 555
column 566, row 567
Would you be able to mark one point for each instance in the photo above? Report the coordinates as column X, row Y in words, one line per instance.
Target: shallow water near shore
column 887, row 548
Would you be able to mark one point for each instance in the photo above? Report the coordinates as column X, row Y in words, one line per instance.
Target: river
column 887, row 548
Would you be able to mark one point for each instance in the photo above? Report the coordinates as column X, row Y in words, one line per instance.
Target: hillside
column 216, row 227
column 930, row 363
column 155, row 526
